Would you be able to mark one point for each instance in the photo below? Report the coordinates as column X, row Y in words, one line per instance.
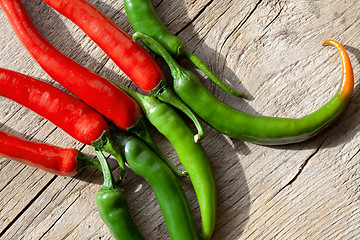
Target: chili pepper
column 191, row 154
column 169, row 194
column 53, row 159
column 113, row 207
column 96, row 91
column 131, row 58
column 90, row 87
column 258, row 129
column 144, row 18
column 68, row 113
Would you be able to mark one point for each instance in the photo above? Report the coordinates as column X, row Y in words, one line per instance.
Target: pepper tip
column 197, row 138
column 331, row 42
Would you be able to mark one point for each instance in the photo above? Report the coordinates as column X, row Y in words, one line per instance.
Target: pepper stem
column 163, row 91
column 205, row 69
column 121, row 139
column 107, row 144
column 141, row 130
column 86, row 161
column 165, row 94
column 109, row 181
column 175, row 68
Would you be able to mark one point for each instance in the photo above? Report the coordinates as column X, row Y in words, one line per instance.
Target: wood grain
column 269, row 49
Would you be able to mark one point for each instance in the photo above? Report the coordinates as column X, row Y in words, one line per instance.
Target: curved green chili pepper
column 191, row 154
column 258, row 129
column 113, row 208
column 169, row 194
column 144, row 18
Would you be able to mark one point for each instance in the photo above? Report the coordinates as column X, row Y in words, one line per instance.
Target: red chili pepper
column 131, row 58
column 73, row 116
column 134, row 61
column 70, row 114
column 93, row 89
column 53, row 159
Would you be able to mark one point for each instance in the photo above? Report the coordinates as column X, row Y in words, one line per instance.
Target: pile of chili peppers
column 117, row 125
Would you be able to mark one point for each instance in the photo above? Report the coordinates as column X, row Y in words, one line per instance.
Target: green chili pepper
column 113, row 208
column 146, row 137
column 144, row 18
column 258, row 129
column 191, row 154
column 169, row 194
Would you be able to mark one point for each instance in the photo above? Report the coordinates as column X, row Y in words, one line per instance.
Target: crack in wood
column 53, row 224
column 11, row 179
column 358, row 151
column 242, row 22
column 46, row 205
column 206, row 33
column 49, row 134
column 194, row 18
column 53, row 198
column 277, row 15
column 300, row 170
column 158, row 4
column 27, row 206
column 11, row 116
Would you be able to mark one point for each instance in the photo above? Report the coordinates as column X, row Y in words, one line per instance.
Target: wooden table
column 271, row 50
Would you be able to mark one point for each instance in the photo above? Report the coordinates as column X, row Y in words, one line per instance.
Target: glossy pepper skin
column 91, row 88
column 68, row 113
column 144, row 18
column 123, row 50
column 169, row 194
column 113, row 207
column 191, row 154
column 258, row 129
column 53, row 159
column 73, row 116
column 131, row 58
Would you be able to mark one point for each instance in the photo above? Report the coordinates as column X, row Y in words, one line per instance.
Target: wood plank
column 272, row 51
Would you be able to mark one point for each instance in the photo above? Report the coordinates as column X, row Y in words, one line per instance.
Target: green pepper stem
column 86, row 161
column 109, row 181
column 163, row 91
column 175, row 69
column 205, row 69
column 153, row 44
column 141, row 130
column 107, row 144
column 165, row 94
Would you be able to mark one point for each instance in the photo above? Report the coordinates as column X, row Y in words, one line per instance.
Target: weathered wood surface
column 269, row 49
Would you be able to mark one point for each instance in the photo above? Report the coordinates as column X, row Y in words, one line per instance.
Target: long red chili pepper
column 53, row 159
column 65, row 111
column 131, row 58
column 73, row 116
column 91, row 88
